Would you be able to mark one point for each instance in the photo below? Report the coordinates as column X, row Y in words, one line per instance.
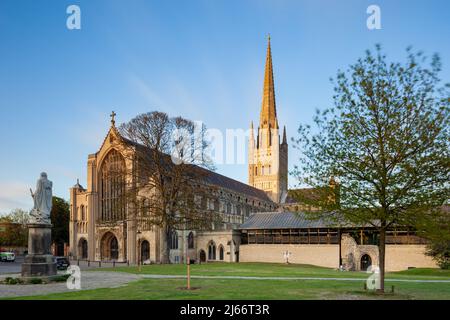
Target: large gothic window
column 112, row 187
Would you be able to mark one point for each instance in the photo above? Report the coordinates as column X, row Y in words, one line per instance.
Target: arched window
column 221, row 253
column 238, row 210
column 83, row 248
column 191, row 240
column 216, row 205
column 173, row 240
column 212, row 251
column 83, row 213
column 112, row 187
column 256, row 171
column 228, row 208
column 145, row 251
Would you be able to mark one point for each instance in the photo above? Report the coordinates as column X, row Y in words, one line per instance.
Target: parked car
column 62, row 263
column 7, row 256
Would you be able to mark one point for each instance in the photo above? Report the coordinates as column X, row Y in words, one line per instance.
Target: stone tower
column 268, row 157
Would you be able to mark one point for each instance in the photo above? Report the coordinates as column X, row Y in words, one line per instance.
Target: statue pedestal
column 39, row 262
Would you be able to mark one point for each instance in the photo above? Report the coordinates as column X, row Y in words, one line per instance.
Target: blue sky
column 203, row 60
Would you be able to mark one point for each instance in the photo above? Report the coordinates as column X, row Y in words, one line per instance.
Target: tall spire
column 268, row 109
column 284, row 135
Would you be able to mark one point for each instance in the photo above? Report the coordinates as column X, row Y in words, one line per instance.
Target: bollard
column 78, row 262
column 128, row 263
column 365, row 286
column 89, row 263
column 100, row 264
column 392, row 289
column 114, row 263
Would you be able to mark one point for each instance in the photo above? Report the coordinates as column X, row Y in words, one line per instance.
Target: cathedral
column 260, row 222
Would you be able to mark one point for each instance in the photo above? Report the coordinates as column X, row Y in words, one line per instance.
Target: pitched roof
column 237, row 186
column 216, row 179
column 283, row 220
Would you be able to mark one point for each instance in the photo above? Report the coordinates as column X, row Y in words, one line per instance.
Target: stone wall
column 325, row 255
column 229, row 240
column 400, row 257
column 352, row 252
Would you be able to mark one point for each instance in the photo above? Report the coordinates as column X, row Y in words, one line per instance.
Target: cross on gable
column 113, row 116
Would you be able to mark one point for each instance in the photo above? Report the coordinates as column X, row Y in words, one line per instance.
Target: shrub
column 61, row 278
column 35, row 281
column 10, row 280
column 440, row 251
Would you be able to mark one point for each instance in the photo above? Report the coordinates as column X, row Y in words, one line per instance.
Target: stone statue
column 42, row 200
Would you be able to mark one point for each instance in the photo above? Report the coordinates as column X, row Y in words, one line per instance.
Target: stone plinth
column 39, row 262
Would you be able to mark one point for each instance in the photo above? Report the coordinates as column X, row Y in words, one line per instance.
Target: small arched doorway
column 221, row 255
column 202, row 256
column 145, row 250
column 109, row 247
column 366, row 262
column 83, row 248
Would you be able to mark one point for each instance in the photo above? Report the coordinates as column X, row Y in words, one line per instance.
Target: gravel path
column 89, row 280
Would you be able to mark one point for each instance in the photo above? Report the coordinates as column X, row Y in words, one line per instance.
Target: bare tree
column 166, row 185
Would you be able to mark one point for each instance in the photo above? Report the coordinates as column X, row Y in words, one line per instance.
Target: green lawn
column 275, row 270
column 149, row 289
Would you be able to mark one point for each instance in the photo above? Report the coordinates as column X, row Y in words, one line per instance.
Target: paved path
column 11, row 267
column 162, row 276
column 89, row 280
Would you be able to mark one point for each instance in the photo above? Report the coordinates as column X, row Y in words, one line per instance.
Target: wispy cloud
column 14, row 194
column 149, row 95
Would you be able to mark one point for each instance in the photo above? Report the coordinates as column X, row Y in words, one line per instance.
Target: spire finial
column 268, row 37
column 113, row 118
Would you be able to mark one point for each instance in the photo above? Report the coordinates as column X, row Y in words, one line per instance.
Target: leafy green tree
column 12, row 233
column 437, row 231
column 59, row 216
column 20, row 216
column 386, row 140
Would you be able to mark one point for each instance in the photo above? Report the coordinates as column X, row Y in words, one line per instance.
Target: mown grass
column 243, row 289
column 173, row 289
column 274, row 270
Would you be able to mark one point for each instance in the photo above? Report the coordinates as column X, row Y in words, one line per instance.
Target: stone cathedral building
column 258, row 222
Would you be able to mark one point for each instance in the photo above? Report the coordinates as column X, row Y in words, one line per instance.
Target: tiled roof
column 283, row 220
column 219, row 180
column 234, row 185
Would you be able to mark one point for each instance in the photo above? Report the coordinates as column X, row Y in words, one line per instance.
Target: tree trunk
column 165, row 250
column 382, row 247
